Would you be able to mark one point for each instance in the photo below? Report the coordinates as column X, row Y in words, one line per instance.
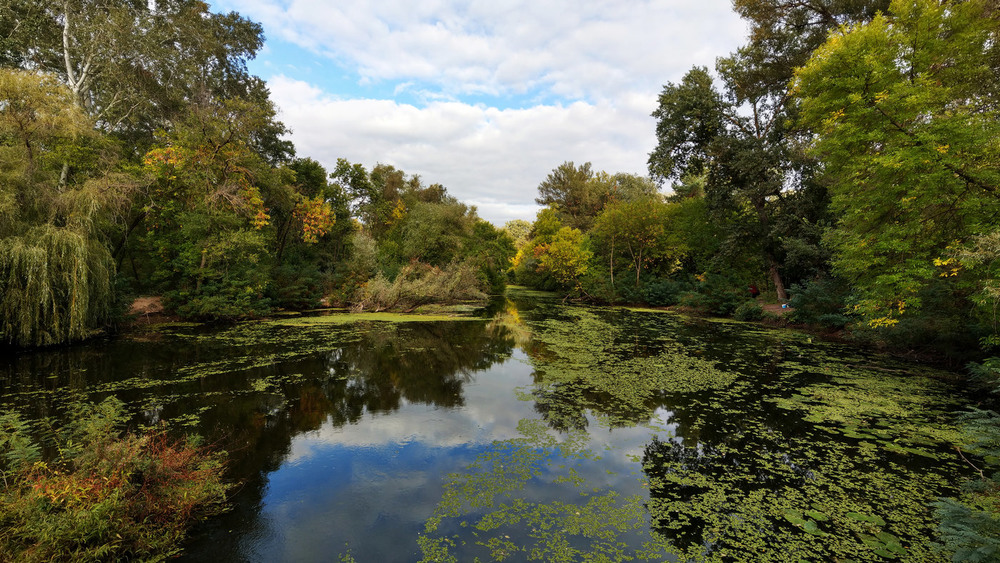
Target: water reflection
column 537, row 430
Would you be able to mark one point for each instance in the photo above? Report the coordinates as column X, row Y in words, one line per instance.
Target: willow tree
column 55, row 275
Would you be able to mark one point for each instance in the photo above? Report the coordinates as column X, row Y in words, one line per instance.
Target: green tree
column 56, row 274
column 519, row 231
column 905, row 112
column 376, row 196
column 576, row 193
column 640, row 231
column 566, row 257
column 743, row 140
column 528, row 269
column 435, row 233
column 207, row 212
column 134, row 66
column 492, row 251
column 701, row 132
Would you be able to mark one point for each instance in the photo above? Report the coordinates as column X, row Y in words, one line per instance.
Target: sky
column 485, row 98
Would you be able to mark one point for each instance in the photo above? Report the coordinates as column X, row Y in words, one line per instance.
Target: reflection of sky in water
column 371, row 486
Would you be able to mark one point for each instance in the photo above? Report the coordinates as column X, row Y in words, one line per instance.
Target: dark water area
column 533, row 431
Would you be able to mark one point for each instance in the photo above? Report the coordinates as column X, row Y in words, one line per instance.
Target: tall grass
column 418, row 284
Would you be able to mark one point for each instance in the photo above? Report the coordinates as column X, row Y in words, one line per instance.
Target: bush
column 970, row 525
column 748, row 311
column 716, row 295
column 104, row 496
column 663, row 293
column 819, row 302
column 418, row 284
column 833, row 320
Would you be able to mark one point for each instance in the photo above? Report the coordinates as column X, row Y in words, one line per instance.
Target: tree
column 207, row 212
column 56, row 275
column 566, row 257
column 699, row 132
column 640, row 230
column 629, row 187
column 743, row 140
column 906, row 117
column 528, row 269
column 572, row 191
column 134, row 66
column 519, row 231
column 377, row 196
column 492, row 250
column 435, row 233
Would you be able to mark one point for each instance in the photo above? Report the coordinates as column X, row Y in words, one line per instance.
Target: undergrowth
column 101, row 494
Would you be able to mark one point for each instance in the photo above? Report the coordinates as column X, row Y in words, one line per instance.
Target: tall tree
column 573, row 193
column 133, row 66
column 743, row 139
column 906, row 115
column 700, row 132
column 56, row 274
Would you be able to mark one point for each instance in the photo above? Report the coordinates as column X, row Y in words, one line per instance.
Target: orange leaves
column 316, row 216
column 164, row 162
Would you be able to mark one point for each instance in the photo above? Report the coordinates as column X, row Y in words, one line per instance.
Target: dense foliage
column 104, row 496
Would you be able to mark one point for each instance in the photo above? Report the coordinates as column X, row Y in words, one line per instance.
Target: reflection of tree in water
column 422, row 363
column 381, row 367
column 561, row 406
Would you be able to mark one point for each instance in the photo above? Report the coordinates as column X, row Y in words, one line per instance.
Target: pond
column 532, row 430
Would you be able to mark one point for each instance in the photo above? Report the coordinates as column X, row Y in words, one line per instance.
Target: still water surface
column 534, row 431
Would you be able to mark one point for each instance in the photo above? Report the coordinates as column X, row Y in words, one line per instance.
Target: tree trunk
column 638, row 269
column 611, row 263
column 779, row 285
column 119, row 249
column 64, row 176
column 201, row 268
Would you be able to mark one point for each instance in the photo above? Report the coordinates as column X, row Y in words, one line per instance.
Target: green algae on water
column 349, row 318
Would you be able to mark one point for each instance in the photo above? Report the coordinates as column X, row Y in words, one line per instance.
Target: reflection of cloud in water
column 382, row 476
column 477, row 422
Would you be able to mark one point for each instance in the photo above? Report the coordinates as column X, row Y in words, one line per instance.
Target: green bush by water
column 104, row 495
column 749, row 311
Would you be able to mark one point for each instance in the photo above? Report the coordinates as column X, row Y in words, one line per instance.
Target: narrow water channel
column 533, row 431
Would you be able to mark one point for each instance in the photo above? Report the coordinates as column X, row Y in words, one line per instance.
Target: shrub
column 970, row 525
column 816, row 299
column 833, row 320
column 104, row 495
column 714, row 294
column 748, row 311
column 418, row 284
column 662, row 293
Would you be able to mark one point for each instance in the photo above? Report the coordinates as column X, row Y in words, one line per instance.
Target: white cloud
column 585, row 75
column 489, row 157
column 591, row 50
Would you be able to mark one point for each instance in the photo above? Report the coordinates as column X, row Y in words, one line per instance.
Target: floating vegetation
column 651, row 436
column 585, row 362
column 499, row 499
column 350, row 318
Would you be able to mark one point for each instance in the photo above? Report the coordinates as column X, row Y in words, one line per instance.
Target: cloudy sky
column 483, row 97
